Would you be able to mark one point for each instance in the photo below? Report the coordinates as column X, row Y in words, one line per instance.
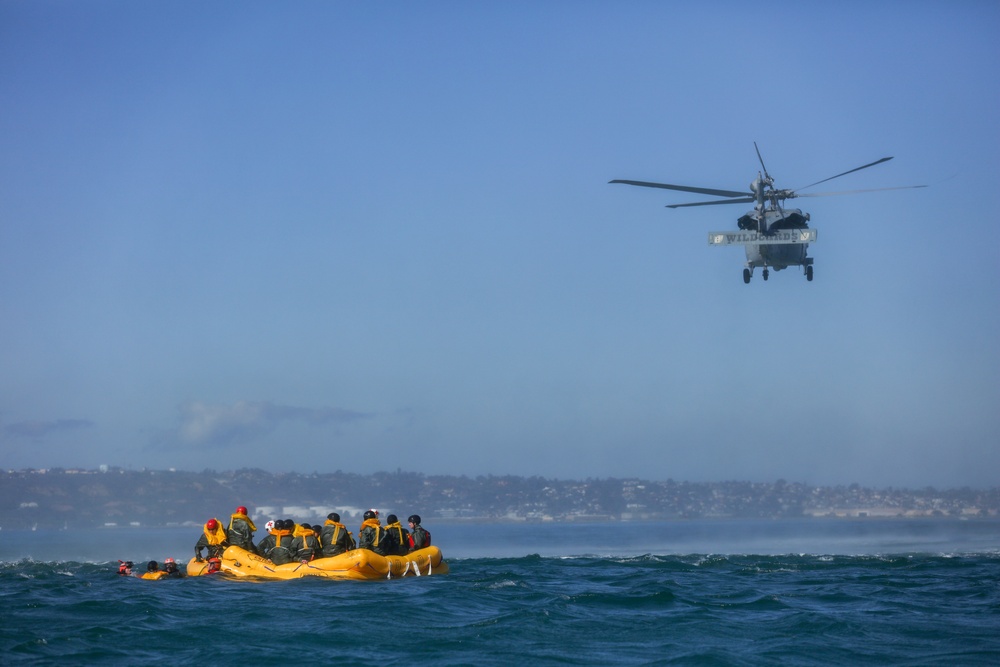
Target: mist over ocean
column 698, row 592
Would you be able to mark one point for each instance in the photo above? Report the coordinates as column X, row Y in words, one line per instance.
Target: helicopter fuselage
column 775, row 256
column 774, row 237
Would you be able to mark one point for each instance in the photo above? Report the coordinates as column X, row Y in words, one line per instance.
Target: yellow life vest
column 303, row 532
column 399, row 530
column 336, row 529
column 216, row 537
column 373, row 523
column 244, row 517
column 278, row 534
column 159, row 574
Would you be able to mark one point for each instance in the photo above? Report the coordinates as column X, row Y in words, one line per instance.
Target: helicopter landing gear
column 809, row 273
column 765, row 274
column 746, row 276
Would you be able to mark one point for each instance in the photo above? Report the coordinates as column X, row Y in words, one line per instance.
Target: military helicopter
column 774, row 237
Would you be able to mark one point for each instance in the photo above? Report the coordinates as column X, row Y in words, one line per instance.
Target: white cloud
column 218, row 425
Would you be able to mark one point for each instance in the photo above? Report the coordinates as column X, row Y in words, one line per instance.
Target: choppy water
column 934, row 601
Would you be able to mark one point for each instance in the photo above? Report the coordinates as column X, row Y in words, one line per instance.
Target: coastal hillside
column 117, row 497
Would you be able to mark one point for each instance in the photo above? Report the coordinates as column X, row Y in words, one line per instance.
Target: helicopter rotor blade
column 854, row 192
column 864, row 166
column 740, row 200
column 684, row 188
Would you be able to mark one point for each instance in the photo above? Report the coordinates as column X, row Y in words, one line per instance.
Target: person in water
column 397, row 538
column 213, row 538
column 305, row 543
column 241, row 530
column 125, row 568
column 372, row 535
column 419, row 537
column 334, row 538
column 153, row 571
column 276, row 547
column 170, row 567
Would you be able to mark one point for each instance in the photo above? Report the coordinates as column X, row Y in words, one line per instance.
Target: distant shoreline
column 114, row 497
column 589, row 521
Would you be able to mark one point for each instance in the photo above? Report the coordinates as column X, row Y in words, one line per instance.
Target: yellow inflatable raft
column 356, row 564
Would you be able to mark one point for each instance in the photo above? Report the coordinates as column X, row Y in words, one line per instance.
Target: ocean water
column 818, row 592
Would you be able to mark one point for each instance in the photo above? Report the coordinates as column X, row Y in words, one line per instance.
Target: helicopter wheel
column 746, row 276
column 809, row 273
column 765, row 274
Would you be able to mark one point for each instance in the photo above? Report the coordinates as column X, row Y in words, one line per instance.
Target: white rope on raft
column 416, row 568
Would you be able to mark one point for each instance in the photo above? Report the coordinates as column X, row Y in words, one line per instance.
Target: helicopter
column 774, row 237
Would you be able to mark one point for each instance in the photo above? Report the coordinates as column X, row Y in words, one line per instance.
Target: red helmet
column 169, row 561
column 212, row 524
column 241, row 510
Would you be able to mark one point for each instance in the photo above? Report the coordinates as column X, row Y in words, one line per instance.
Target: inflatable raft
column 357, row 564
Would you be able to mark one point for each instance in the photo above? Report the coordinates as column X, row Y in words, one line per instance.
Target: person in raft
column 305, row 543
column 213, row 538
column 419, row 537
column 276, row 547
column 397, row 538
column 372, row 534
column 334, row 537
column 241, row 530
column 170, row 567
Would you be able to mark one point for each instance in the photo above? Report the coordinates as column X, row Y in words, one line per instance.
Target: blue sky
column 368, row 236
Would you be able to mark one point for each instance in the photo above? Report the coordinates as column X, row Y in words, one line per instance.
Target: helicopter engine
column 748, row 221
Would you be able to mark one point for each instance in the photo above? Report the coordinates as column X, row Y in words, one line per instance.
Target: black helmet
column 333, row 516
column 151, row 566
column 392, row 518
column 414, row 518
column 370, row 514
